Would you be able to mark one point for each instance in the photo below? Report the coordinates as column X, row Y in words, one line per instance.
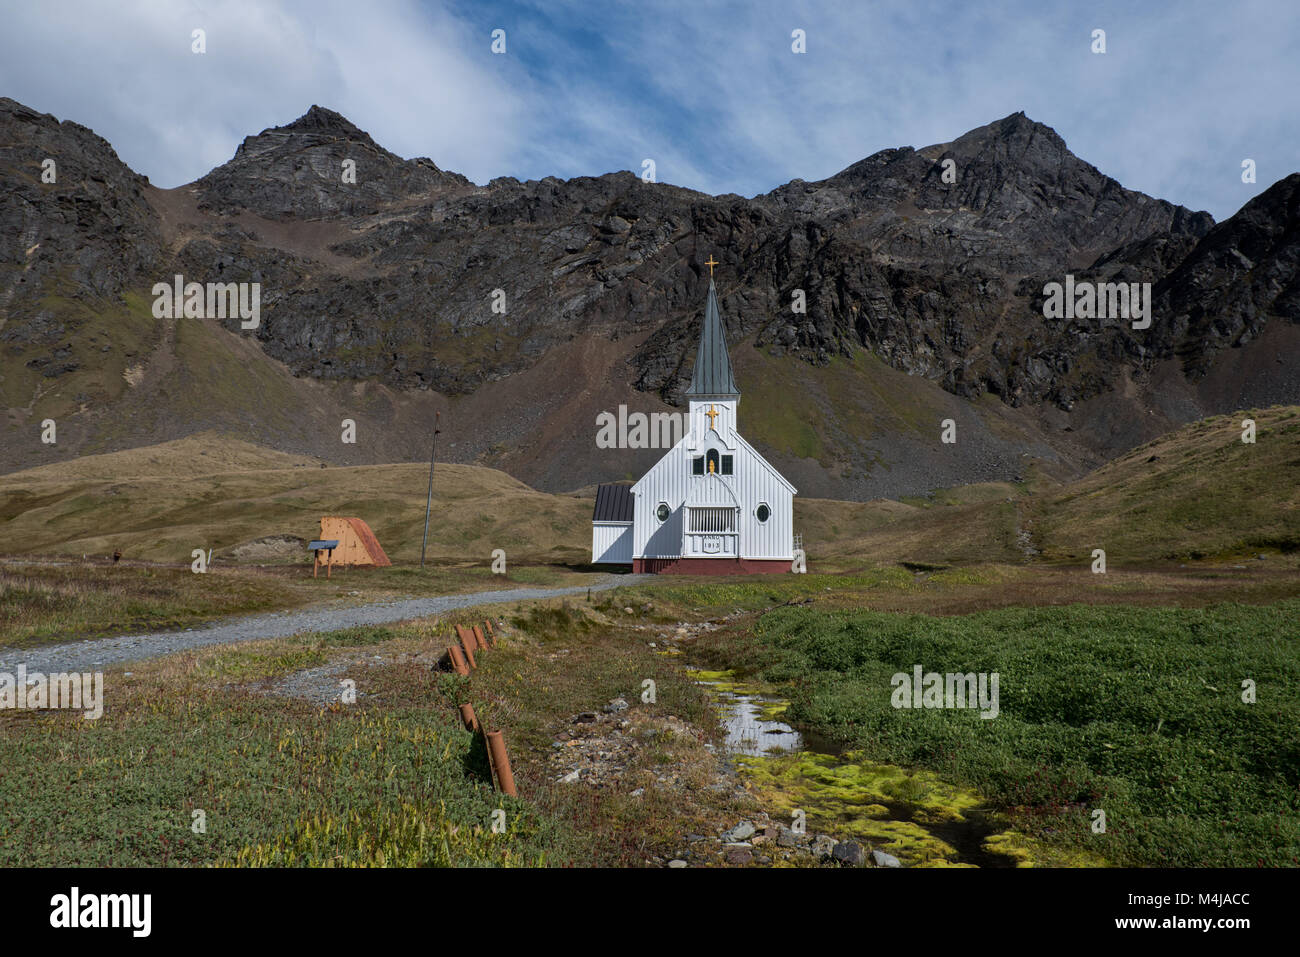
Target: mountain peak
column 320, row 118
column 1013, row 128
column 320, row 165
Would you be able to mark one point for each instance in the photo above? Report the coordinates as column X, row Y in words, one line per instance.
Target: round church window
column 763, row 513
column 663, row 511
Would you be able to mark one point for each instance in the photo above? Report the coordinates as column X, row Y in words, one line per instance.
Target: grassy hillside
column 1199, row 492
column 1195, row 493
column 859, row 426
column 208, row 491
column 212, row 491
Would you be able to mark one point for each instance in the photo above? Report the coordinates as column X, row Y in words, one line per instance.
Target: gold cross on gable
column 713, row 415
column 711, row 262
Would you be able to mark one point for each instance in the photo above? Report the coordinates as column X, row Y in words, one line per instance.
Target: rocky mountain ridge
column 422, row 290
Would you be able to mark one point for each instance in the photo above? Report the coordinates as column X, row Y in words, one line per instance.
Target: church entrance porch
column 710, row 531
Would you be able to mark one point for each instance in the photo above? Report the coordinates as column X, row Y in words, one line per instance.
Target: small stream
column 912, row 815
column 749, row 732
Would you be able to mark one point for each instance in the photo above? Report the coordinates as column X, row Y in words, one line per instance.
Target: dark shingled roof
column 712, row 374
column 613, row 504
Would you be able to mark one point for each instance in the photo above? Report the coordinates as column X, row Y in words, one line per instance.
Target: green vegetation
column 777, row 419
column 761, row 591
column 391, row 780
column 406, row 836
column 218, row 373
column 1134, row 711
column 862, row 800
column 966, row 494
column 786, row 409
column 553, row 622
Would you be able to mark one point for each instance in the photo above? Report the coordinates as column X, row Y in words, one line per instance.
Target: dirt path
column 98, row 653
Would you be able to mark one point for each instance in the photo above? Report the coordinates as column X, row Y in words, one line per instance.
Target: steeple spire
column 712, row 375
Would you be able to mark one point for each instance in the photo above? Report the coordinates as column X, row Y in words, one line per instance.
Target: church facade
column 712, row 504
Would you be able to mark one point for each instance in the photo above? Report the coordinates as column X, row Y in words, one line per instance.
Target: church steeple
column 712, row 375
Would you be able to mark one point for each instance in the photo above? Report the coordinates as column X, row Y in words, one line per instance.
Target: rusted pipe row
column 462, row 660
column 461, row 655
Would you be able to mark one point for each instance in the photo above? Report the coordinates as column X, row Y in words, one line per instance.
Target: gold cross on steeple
column 711, row 262
column 713, row 415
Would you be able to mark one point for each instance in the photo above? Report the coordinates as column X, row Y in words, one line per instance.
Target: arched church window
column 712, row 457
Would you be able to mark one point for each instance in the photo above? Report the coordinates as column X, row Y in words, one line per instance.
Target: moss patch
column 1028, row 851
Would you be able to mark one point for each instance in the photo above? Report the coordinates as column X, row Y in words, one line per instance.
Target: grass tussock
column 405, row 836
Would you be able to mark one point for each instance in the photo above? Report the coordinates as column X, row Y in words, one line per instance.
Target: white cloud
column 712, row 92
column 419, row 81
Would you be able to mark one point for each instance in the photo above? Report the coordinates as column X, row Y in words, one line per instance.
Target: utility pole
column 428, row 502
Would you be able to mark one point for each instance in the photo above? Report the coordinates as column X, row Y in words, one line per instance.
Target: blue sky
column 710, row 91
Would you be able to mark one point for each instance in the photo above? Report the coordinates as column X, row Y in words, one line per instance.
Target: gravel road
column 99, row 653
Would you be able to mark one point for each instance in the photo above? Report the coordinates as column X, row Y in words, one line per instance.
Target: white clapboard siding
column 611, row 543
column 754, row 482
column 757, row 484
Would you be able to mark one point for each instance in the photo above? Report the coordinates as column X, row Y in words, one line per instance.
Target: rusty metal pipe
column 465, row 635
column 469, row 717
column 496, row 742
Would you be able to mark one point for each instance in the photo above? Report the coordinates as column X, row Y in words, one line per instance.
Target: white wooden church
column 711, row 505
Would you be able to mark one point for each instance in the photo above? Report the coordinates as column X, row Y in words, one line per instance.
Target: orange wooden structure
column 357, row 543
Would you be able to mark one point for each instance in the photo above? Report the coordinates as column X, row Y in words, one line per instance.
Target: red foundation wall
column 710, row 566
